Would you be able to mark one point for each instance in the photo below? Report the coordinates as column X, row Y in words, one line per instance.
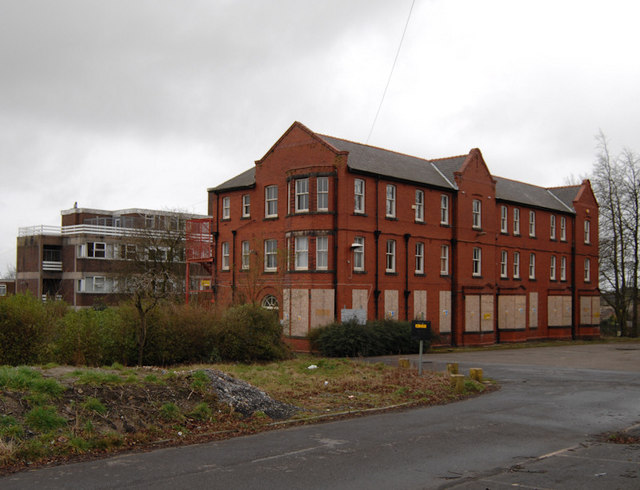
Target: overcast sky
column 124, row 103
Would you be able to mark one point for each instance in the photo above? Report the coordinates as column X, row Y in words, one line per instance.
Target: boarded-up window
column 559, row 312
column 296, row 309
column 391, row 304
column 472, row 313
column 420, row 305
column 520, row 312
column 359, row 299
column 589, row 310
column 506, row 312
column 444, row 321
column 595, row 310
column 486, row 312
column 533, row 310
column 322, row 307
column 566, row 310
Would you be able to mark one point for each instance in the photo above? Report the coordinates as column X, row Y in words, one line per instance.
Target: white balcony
column 52, row 266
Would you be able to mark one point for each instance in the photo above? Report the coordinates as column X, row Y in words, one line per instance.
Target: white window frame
column 563, row 268
column 246, row 255
column 587, row 269
column 444, row 209
column 516, row 265
column 552, row 227
column 271, row 201
column 476, row 262
column 504, row 224
column 504, row 264
column 302, row 195
column 419, row 206
column 587, row 231
column 322, row 253
column 390, row 209
column 532, row 224
column 516, row 221
column 226, row 207
column 358, row 196
column 419, row 258
column 99, row 284
column 97, row 250
column 552, row 268
column 3, row 289
column 532, row 266
column 224, row 252
column 563, row 228
column 246, row 206
column 476, row 214
column 301, row 251
column 271, row 255
column 322, row 193
column 358, row 254
column 390, row 256
column 444, row 260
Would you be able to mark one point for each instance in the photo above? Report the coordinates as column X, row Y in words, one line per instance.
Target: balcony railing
column 90, row 230
column 52, row 265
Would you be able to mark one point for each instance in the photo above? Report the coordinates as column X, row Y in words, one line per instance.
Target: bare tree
column 615, row 181
column 153, row 268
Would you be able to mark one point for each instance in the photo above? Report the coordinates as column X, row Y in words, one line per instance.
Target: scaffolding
column 199, row 248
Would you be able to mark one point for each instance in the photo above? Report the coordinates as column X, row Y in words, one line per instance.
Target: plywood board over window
column 595, row 310
column 444, row 320
column 559, row 313
column 359, row 299
column 506, row 312
column 520, row 312
column 589, row 310
column 322, row 301
column 296, row 308
column 486, row 312
column 420, row 305
column 391, row 304
column 472, row 313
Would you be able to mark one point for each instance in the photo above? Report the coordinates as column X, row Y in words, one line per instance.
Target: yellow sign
column 487, row 316
column 205, row 284
column 420, row 325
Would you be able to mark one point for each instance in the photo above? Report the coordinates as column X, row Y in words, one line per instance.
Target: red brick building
column 322, row 228
column 78, row 262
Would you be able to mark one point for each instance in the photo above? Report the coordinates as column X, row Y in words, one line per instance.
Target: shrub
column 23, row 329
column 376, row 338
column 44, row 419
column 248, row 333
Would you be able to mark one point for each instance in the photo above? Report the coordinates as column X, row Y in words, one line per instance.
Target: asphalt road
column 542, row 429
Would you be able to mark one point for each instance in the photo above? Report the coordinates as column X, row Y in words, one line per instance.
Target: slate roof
column 436, row 173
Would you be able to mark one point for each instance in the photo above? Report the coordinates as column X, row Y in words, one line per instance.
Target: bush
column 24, row 324
column 248, row 333
column 376, row 338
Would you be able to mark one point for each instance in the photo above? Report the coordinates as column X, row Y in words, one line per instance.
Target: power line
column 375, row 119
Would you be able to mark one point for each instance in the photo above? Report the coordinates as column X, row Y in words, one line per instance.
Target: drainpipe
column 233, row 266
column 452, row 268
column 406, row 276
column 574, row 292
column 336, row 213
column 376, row 236
column 214, row 245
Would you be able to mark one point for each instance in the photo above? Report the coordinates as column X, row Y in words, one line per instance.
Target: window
column 504, row 264
column 98, row 284
column 477, row 213
column 225, row 256
column 270, row 255
column 419, row 258
column 587, row 270
column 270, row 302
column 391, row 256
column 226, row 207
column 516, row 221
column 532, row 266
column 504, row 226
column 563, row 228
column 444, row 209
column 444, row 260
column 391, row 201
column 563, row 268
column 587, row 231
column 246, row 206
column 552, row 268
column 3, row 289
column 302, row 253
column 477, row 261
column 302, row 195
column 127, row 251
column 516, row 265
column 358, row 253
column 358, row 195
column 246, row 255
column 322, row 184
column 532, row 223
column 97, row 250
column 271, row 201
column 419, row 206
column 322, row 253
column 552, row 226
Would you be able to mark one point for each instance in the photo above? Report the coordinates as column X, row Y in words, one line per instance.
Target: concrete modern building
column 323, row 228
column 79, row 260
